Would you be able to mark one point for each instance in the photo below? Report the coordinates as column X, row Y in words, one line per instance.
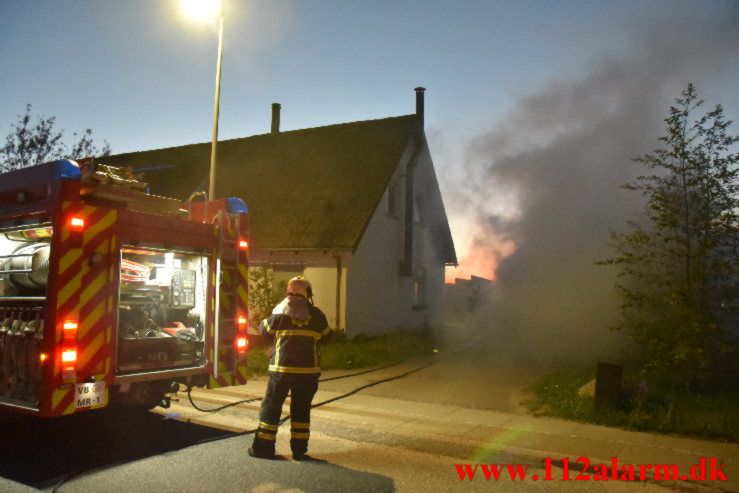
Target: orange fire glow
column 480, row 263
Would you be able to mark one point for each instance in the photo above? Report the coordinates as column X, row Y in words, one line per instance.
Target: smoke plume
column 559, row 157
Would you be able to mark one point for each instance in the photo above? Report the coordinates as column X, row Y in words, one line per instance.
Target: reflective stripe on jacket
column 295, row 341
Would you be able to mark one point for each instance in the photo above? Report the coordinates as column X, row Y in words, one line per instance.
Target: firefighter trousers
column 302, row 387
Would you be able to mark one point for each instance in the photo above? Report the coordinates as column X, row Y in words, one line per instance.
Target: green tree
column 679, row 267
column 262, row 298
column 32, row 142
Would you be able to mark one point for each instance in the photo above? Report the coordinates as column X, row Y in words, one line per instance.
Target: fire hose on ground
column 283, row 420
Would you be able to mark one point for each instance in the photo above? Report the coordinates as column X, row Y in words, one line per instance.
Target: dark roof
column 314, row 189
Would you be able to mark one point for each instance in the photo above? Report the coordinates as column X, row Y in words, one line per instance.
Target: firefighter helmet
column 300, row 285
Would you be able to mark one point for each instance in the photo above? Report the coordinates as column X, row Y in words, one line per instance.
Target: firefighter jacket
column 295, row 341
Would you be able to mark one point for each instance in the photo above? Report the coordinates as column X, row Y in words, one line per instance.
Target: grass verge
column 338, row 353
column 697, row 415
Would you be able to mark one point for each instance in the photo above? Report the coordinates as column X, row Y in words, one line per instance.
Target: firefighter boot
column 262, row 450
column 263, row 446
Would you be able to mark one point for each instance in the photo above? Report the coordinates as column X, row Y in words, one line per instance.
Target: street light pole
column 214, row 144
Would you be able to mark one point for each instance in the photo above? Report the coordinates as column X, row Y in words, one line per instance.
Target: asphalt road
column 406, row 435
column 475, row 378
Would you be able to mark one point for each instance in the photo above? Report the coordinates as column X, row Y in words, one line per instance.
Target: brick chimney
column 276, row 118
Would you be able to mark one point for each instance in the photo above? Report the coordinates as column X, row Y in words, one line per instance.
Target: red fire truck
column 109, row 294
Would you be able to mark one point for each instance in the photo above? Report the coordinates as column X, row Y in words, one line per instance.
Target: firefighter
column 295, row 326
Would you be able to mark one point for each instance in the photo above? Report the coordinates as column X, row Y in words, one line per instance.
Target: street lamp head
column 201, row 10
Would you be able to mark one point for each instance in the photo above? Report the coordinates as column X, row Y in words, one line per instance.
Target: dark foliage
column 35, row 141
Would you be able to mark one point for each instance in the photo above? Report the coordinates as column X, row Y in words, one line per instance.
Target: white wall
column 374, row 297
column 379, row 299
column 323, row 280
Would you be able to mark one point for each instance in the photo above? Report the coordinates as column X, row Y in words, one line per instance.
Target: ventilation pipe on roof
column 419, row 139
column 419, row 106
column 276, row 118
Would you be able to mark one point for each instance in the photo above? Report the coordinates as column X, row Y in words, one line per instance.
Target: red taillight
column 69, row 359
column 243, row 244
column 69, row 348
column 242, row 343
column 76, row 223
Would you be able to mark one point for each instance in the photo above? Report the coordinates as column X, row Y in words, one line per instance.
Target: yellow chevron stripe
column 102, row 247
column 91, row 319
column 221, row 381
column 64, row 294
column 104, row 223
column 241, row 293
column 90, row 351
column 68, row 259
column 93, row 288
column 65, row 231
column 72, row 286
column 87, row 211
column 76, row 282
column 57, row 397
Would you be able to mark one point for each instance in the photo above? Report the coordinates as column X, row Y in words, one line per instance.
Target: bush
column 366, row 351
column 257, row 361
column 338, row 353
column 704, row 415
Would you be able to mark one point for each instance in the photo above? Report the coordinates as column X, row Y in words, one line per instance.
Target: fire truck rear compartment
column 161, row 310
column 24, row 269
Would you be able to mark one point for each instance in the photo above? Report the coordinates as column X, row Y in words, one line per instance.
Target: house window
column 391, row 199
column 419, row 289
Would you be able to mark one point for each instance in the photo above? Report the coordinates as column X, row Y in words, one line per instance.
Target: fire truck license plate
column 89, row 394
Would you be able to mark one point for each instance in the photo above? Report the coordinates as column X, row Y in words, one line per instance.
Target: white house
column 354, row 207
